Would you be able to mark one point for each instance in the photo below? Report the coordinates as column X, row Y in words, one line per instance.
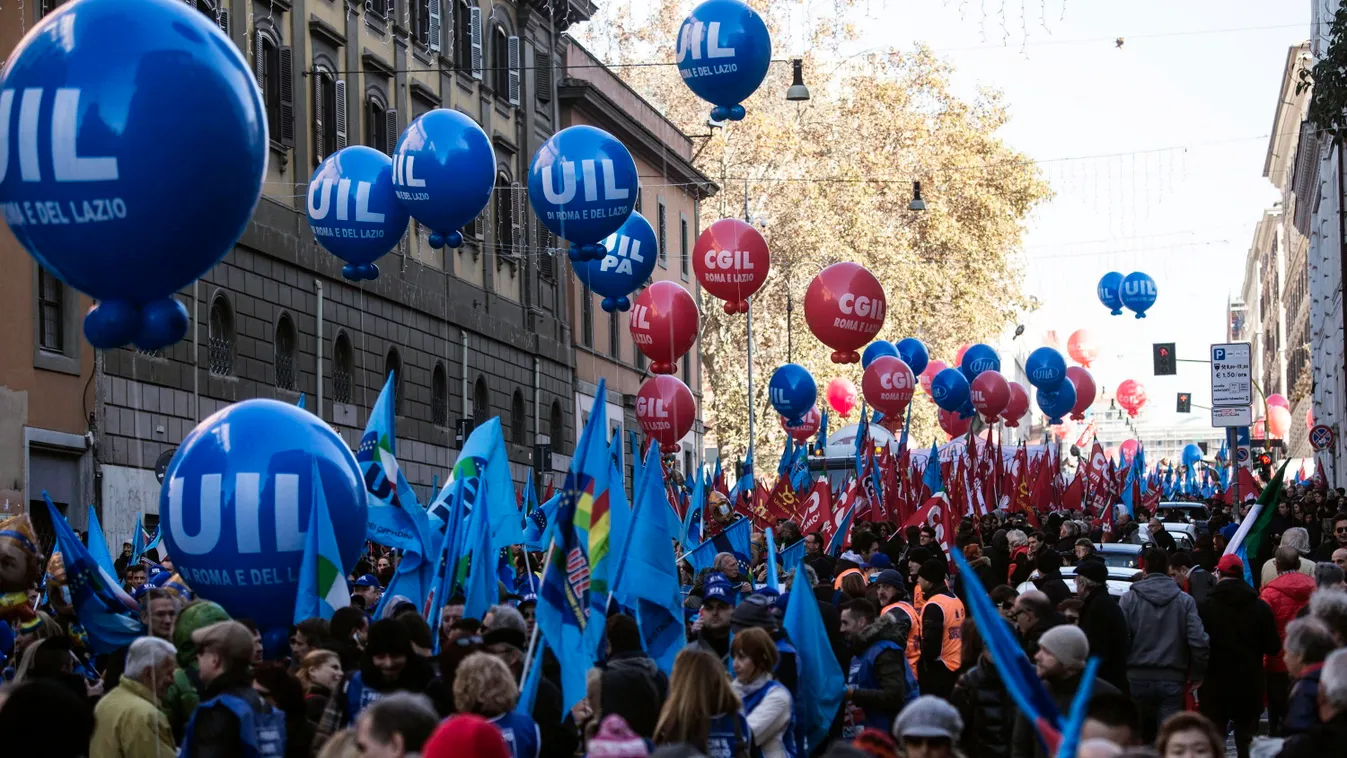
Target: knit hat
column 933, row 571
column 876, row 743
column 929, row 716
column 616, row 740
column 893, row 579
column 918, row 555
column 754, row 611
column 1068, row 644
column 1094, row 570
column 465, row 734
column 880, row 561
column 387, row 637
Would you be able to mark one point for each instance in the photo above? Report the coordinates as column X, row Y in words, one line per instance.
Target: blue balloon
column 1138, row 293
column 444, row 169
column 793, row 392
column 352, row 209
column 1046, row 368
column 630, row 261
column 1110, row 292
column 978, row 358
column 724, row 50
column 236, row 501
column 949, row 389
column 1056, row 404
column 913, row 352
column 967, row 410
column 140, row 158
column 583, row 186
column 876, row 349
column 1191, row 454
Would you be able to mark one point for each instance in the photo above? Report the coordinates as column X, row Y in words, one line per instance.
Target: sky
column 1154, row 151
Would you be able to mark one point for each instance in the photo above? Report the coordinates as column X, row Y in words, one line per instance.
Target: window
column 687, row 368
column 500, row 61
column 274, row 66
column 220, row 340
column 215, row 11
column 556, row 426
column 640, row 358
column 662, row 229
column 284, row 349
column 517, row 420
column 638, row 200
column 481, row 401
column 586, row 317
column 507, row 222
column 376, row 124
column 381, row 8
column 329, row 115
column 684, row 260
column 439, row 396
column 393, row 368
column 50, row 311
column 614, row 331
column 687, row 463
column 463, row 17
column 343, row 368
column 418, row 19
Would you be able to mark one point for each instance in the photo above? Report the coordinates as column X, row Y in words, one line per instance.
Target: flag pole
column 533, row 639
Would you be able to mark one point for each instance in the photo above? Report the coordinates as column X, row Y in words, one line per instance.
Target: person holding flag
column 879, row 681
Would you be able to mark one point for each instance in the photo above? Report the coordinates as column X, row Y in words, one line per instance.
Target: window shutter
column 259, row 63
column 475, row 32
column 392, row 8
column 339, row 118
column 542, row 78
column 517, row 220
column 434, row 42
column 512, row 54
column 223, row 21
column 391, row 130
column 479, row 226
column 318, row 115
column 287, row 57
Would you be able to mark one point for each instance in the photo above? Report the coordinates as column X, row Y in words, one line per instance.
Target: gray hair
column 720, row 558
column 1328, row 574
column 1098, row 748
column 1297, row 538
column 1309, row 639
column 1330, row 606
column 147, row 653
column 1333, row 681
column 402, row 713
column 505, row 617
column 1016, row 538
column 1086, row 584
column 809, row 573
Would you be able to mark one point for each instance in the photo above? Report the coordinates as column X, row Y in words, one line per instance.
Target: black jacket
column 988, row 712
column 1024, row 744
column 634, row 688
column 1242, row 630
column 1106, row 628
column 1321, row 740
column 1200, row 584
column 560, row 738
column 1029, row 639
column 1054, row 587
column 417, row 676
column 890, row 669
column 216, row 731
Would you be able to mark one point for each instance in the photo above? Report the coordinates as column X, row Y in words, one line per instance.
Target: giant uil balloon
column 235, row 506
column 844, row 307
column 731, row 261
column 583, row 186
column 630, row 261
column 990, row 393
column 1046, row 369
column 353, row 211
column 663, row 324
column 1138, row 293
column 444, row 169
column 888, row 385
column 808, row 427
column 1110, row 292
column 1017, row 406
column 1083, row 382
column 1082, row 347
column 913, row 352
column 978, row 358
column 1192, row 455
column 1056, row 404
column 724, row 50
column 138, row 157
column 949, row 389
column 665, row 409
column 792, row 392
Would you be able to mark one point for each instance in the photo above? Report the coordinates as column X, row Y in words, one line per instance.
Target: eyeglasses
column 1340, row 530
column 466, row 641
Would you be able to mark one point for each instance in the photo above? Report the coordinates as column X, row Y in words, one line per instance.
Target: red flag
column 1074, row 497
column 850, row 496
column 818, row 508
column 936, row 513
column 783, row 503
column 1040, row 496
column 1101, row 491
column 1248, row 488
column 893, row 494
column 1151, row 501
column 1019, row 499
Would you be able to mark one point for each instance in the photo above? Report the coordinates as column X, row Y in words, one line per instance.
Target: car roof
column 1117, row 547
column 1186, row 506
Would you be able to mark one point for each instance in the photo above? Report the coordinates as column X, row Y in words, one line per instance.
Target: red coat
column 1287, row 594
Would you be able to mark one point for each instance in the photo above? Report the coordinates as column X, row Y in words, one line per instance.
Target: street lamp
column 798, row 92
column 917, row 203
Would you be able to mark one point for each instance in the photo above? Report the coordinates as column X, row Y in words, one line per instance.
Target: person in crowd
column 1331, row 607
column 814, row 555
column 1049, row 581
column 1307, row 645
column 941, row 619
column 1103, row 622
column 981, row 565
column 319, row 674
column 1162, row 539
column 42, row 717
column 347, row 632
column 135, row 578
column 465, row 735
column 1113, row 717
column 1299, row 540
column 1339, row 557
column 233, row 719
column 1192, row 579
column 280, row 689
column 1070, row 610
column 1338, row 542
column 767, row 702
column 256, row 633
column 396, row 726
column 484, row 686
column 632, row 686
column 1084, row 551
column 985, row 705
column 1003, row 596
column 1329, row 736
column 1033, row 615
column 712, row 630
column 309, row 634
column 182, row 697
column 758, row 611
column 1060, row 662
column 702, row 709
column 1242, row 630
column 158, row 611
column 368, row 588
column 1189, row 735
column 1021, row 560
column 929, row 728
column 891, row 591
column 504, row 638
column 127, row 721
column 1287, row 595
column 878, row 680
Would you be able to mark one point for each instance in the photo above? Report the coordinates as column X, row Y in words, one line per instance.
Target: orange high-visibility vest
column 913, row 636
column 918, row 598
column 951, row 642
column 837, row 583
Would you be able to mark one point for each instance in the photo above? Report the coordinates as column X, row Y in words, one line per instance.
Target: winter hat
column 388, row 637
column 465, row 734
column 933, row 571
column 881, row 561
column 893, row 579
column 1068, row 644
column 931, row 717
column 195, row 616
column 918, row 555
column 754, row 611
column 1094, row 570
column 616, row 740
column 876, row 744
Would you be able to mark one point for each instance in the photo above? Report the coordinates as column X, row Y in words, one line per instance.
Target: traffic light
column 1163, row 353
column 1264, row 462
column 1185, row 404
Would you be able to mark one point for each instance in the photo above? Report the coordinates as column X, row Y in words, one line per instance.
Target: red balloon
column 958, row 357
column 932, row 368
column 1278, row 400
column 841, row 395
column 1131, row 396
column 844, row 307
column 1112, row 452
column 732, row 262
column 1085, row 390
column 664, row 325
column 1128, row 449
column 665, row 410
column 990, row 393
column 1017, row 406
column 1259, row 430
column 953, row 425
column 888, row 385
column 1278, row 421
column 1082, row 348
column 1309, row 417
column 808, row 425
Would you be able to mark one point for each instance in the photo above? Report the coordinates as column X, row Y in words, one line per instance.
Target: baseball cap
column 717, row 589
column 1230, row 564
column 367, row 580
column 230, row 639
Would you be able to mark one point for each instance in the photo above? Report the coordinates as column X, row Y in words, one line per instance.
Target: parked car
column 1195, row 514
column 1120, row 579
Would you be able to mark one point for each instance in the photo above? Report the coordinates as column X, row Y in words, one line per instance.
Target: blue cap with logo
column 367, row 580
column 718, row 588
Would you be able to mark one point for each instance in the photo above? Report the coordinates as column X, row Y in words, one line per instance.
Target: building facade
column 670, row 198
column 468, row 334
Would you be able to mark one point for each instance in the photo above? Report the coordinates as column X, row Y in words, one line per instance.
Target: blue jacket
column 1302, row 710
column 520, row 733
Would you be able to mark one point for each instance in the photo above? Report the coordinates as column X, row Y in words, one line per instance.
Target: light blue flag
column 1080, row 706
column 842, row 533
column 107, row 613
column 773, row 579
column 137, row 543
column 619, row 519
column 690, row 533
column 488, row 494
column 819, row 673
column 395, row 516
column 791, row 557
column 822, row 438
column 538, row 529
column 98, row 547
column 1127, row 487
column 647, row 577
column 787, row 455
column 481, row 591
column 448, row 558
column 155, row 540
column 635, row 463
column 528, row 503
column 931, row 476
column 735, row 538
column 322, row 577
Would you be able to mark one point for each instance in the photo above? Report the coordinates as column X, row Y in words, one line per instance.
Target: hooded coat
column 1169, row 640
column 1106, row 629
column 890, row 667
column 182, row 697
column 634, row 688
column 987, row 709
column 1242, row 630
column 1286, row 596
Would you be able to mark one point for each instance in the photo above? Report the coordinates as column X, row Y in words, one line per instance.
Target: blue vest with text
column 729, row 737
column 261, row 732
column 791, row 736
column 358, row 698
column 862, row 677
column 520, row 733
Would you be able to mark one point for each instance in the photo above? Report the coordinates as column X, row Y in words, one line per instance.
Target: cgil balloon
column 353, row 211
column 888, row 384
column 139, row 144
column 663, row 325
column 1083, row 382
column 731, row 261
column 844, row 307
column 724, row 50
column 444, row 170
column 1017, row 406
column 665, row 409
column 807, row 428
column 989, row 393
column 630, row 260
column 841, row 395
column 1082, row 347
column 583, row 186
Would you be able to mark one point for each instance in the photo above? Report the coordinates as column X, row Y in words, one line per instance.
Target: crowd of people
column 1193, row 653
